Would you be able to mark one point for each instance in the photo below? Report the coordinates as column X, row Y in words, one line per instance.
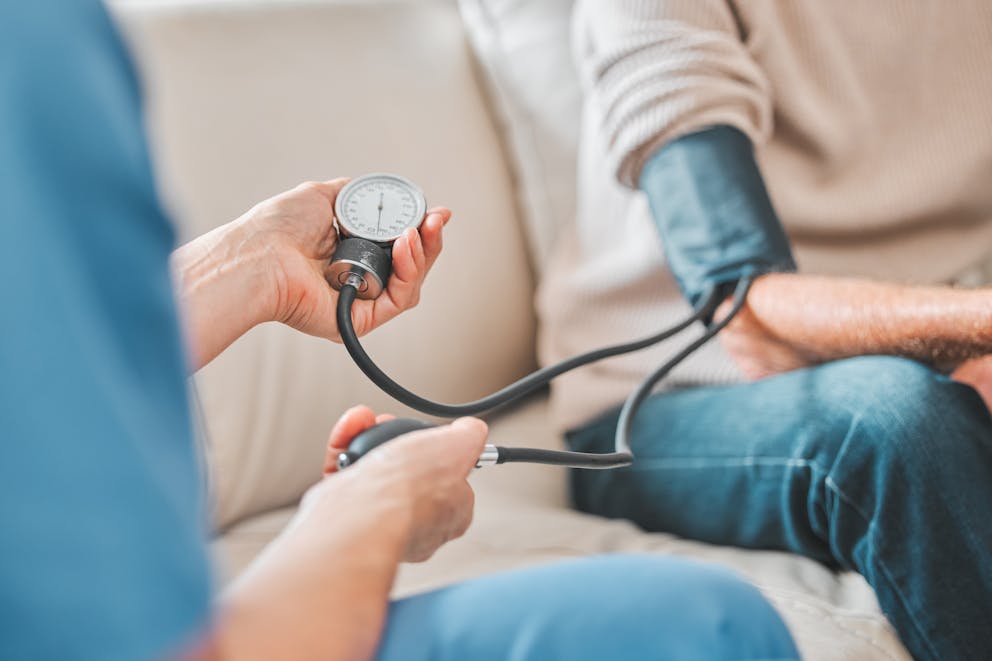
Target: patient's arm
column 794, row 320
column 268, row 265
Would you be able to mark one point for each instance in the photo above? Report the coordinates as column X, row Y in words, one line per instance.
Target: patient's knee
column 906, row 400
column 901, row 418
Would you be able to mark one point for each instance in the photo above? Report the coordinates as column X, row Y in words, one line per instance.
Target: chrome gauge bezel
column 345, row 197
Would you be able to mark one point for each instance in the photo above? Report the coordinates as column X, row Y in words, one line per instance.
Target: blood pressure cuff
column 715, row 218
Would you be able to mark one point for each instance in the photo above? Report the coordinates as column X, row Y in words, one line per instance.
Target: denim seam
column 833, row 486
column 708, row 462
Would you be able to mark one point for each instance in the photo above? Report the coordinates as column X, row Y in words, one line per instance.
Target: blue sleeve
column 103, row 542
column 710, row 206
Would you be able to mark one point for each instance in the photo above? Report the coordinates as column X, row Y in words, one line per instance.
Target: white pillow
column 524, row 50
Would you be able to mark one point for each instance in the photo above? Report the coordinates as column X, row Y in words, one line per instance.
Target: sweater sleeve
column 655, row 70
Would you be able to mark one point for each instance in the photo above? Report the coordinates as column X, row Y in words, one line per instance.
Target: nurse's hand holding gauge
column 272, row 265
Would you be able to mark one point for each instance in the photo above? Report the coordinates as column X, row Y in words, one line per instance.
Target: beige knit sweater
column 873, row 128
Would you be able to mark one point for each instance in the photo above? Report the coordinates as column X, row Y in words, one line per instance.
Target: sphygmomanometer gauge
column 372, row 211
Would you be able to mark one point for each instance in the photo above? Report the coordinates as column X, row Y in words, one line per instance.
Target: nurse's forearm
column 320, row 591
column 828, row 318
column 224, row 283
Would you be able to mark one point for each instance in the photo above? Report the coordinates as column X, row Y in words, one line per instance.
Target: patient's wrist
column 828, row 318
column 972, row 325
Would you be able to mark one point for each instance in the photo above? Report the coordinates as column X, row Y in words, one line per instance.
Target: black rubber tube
column 512, row 392
column 621, row 457
column 621, row 440
column 588, row 460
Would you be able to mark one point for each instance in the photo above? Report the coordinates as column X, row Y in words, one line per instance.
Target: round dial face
column 379, row 207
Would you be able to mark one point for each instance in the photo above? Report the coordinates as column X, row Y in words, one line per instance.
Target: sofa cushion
column 248, row 99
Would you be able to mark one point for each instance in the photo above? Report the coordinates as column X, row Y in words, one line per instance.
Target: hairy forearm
column 319, row 591
column 224, row 282
column 832, row 318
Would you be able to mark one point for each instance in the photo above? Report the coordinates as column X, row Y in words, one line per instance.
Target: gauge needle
column 379, row 222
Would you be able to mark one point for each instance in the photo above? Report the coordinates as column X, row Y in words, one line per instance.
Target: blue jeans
column 875, row 464
column 609, row 607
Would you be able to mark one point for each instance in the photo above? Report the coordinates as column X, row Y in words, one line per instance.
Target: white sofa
column 247, row 98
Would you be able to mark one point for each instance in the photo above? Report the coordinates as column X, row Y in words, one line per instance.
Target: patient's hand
column 755, row 348
column 977, row 373
column 269, row 265
column 795, row 320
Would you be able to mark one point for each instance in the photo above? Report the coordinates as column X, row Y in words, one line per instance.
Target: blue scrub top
column 102, row 541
